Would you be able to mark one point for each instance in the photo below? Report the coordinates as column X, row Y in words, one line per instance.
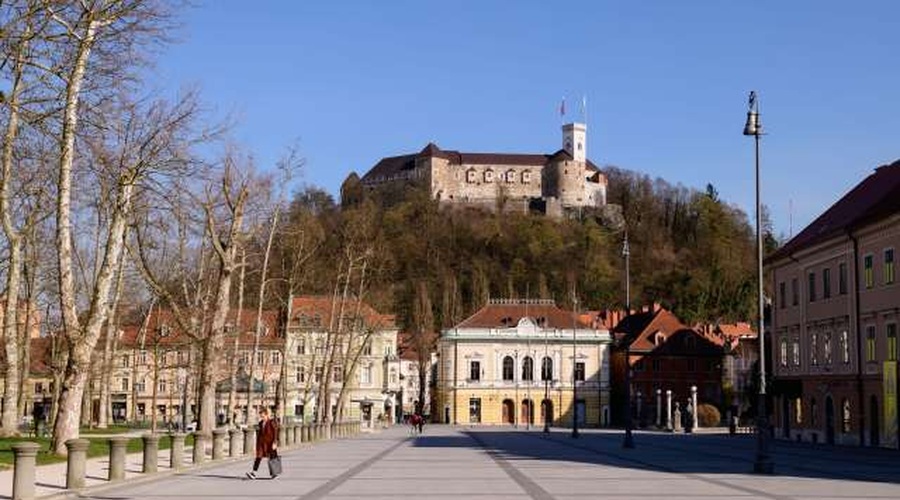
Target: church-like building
column 553, row 183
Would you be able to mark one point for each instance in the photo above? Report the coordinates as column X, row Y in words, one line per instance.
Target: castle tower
column 575, row 140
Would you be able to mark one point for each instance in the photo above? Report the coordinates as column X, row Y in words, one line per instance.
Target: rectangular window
column 39, row 388
column 162, row 385
column 811, row 289
column 826, row 350
column 124, row 386
column 126, row 360
column 475, row 409
column 842, row 278
column 475, row 373
column 579, row 372
column 301, row 375
column 795, row 292
column 337, row 374
column 892, row 342
column 260, row 357
column 795, row 351
column 814, row 349
column 868, row 270
column 782, row 294
column 365, row 375
column 845, row 347
column 870, row 344
column 367, row 348
column 826, row 283
column 783, row 353
column 301, row 347
column 276, row 357
column 888, row 270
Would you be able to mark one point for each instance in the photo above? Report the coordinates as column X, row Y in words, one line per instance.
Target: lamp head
column 752, row 126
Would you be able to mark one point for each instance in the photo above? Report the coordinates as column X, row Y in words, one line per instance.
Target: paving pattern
column 459, row 462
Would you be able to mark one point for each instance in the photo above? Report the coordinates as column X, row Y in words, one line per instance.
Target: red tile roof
column 876, row 197
column 314, row 312
column 638, row 331
column 506, row 314
column 163, row 329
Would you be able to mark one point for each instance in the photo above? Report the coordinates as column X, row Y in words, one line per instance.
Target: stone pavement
column 501, row 463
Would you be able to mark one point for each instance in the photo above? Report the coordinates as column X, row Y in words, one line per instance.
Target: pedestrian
column 266, row 441
column 420, row 422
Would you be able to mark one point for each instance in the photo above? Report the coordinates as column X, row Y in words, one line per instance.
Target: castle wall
column 478, row 183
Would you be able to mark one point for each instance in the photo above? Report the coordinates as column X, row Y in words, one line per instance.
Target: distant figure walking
column 266, row 441
column 416, row 422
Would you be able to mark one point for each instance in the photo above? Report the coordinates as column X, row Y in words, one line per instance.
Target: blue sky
column 666, row 84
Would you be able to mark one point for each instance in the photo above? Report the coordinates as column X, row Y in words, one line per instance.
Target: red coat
column 266, row 436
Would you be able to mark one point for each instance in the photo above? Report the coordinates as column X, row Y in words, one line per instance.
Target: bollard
column 295, row 431
column 250, row 441
column 24, row 471
column 320, row 432
column 176, row 451
column 75, row 468
column 304, row 433
column 151, row 453
column 237, row 441
column 282, row 436
column 218, row 444
column 329, row 431
column 199, row 451
column 117, row 447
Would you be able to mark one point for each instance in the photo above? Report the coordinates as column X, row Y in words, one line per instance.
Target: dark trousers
column 256, row 463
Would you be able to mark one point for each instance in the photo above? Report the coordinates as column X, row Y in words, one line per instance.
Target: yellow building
column 511, row 355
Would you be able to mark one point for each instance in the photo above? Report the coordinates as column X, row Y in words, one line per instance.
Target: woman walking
column 266, row 441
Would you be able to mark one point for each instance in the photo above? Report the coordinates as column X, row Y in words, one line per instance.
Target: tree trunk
column 107, row 359
column 10, row 331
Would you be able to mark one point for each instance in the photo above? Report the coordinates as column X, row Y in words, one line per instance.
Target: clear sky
column 666, row 84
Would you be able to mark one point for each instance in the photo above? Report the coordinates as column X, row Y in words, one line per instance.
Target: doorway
column 527, row 412
column 509, row 412
column 829, row 420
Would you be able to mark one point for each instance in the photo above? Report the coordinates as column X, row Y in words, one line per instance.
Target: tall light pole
column 629, row 438
column 574, row 365
column 763, row 463
column 182, row 378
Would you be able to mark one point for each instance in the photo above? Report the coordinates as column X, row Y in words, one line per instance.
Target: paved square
column 459, row 462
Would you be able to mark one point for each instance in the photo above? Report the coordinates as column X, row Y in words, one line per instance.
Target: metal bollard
column 237, row 441
column 117, row 446
column 176, row 451
column 199, row 452
column 75, row 466
column 24, row 471
column 218, row 444
column 151, row 453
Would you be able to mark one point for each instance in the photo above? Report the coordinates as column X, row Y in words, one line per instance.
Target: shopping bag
column 274, row 464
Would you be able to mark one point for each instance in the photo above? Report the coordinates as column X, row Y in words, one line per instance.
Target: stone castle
column 555, row 183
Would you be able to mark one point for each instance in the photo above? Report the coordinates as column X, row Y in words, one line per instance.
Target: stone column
column 329, row 431
column 176, row 451
column 236, row 442
column 218, row 444
column 696, row 408
column 77, row 449
column 659, row 408
column 151, row 453
column 640, row 404
column 282, row 436
column 676, row 417
column 250, row 441
column 117, row 445
column 668, row 409
column 304, row 433
column 295, row 434
column 24, row 473
column 199, row 448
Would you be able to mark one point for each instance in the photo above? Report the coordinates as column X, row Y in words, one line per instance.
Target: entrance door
column 829, row 420
column 580, row 411
column 874, row 437
column 547, row 412
column 509, row 411
column 527, row 411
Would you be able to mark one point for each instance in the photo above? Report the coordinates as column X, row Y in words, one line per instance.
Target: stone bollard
column 24, row 471
column 176, row 451
column 151, row 453
column 250, row 441
column 199, row 452
column 77, row 456
column 295, row 434
column 329, row 431
column 304, row 433
column 282, row 436
column 117, row 447
column 219, row 444
column 237, row 441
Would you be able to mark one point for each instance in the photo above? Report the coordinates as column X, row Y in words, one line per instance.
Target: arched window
column 508, row 368
column 846, row 415
column 528, row 369
column 488, row 175
column 470, row 175
column 783, row 352
column 510, row 176
column 526, row 177
column 546, row 368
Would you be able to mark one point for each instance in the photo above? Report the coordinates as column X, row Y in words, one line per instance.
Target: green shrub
column 708, row 415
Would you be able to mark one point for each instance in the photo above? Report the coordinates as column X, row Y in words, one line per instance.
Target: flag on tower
column 562, row 107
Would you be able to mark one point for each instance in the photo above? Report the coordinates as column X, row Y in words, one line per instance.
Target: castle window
column 470, row 175
column 488, row 175
column 526, row 177
column 510, row 176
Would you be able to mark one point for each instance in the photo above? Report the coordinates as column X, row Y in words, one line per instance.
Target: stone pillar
column 24, row 471
column 295, row 434
column 304, row 433
column 219, row 443
column 659, row 408
column 77, row 456
column 151, row 453
column 117, row 446
column 676, row 417
column 668, row 409
column 694, row 413
column 282, row 436
column 329, row 431
column 236, row 442
column 640, row 404
column 250, row 441
column 176, row 451
column 199, row 448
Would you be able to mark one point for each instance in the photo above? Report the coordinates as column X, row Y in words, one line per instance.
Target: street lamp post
column 182, row 378
column 574, row 365
column 545, row 374
column 629, row 438
column 763, row 463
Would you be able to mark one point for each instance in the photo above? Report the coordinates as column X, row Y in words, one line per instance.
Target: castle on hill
column 554, row 183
